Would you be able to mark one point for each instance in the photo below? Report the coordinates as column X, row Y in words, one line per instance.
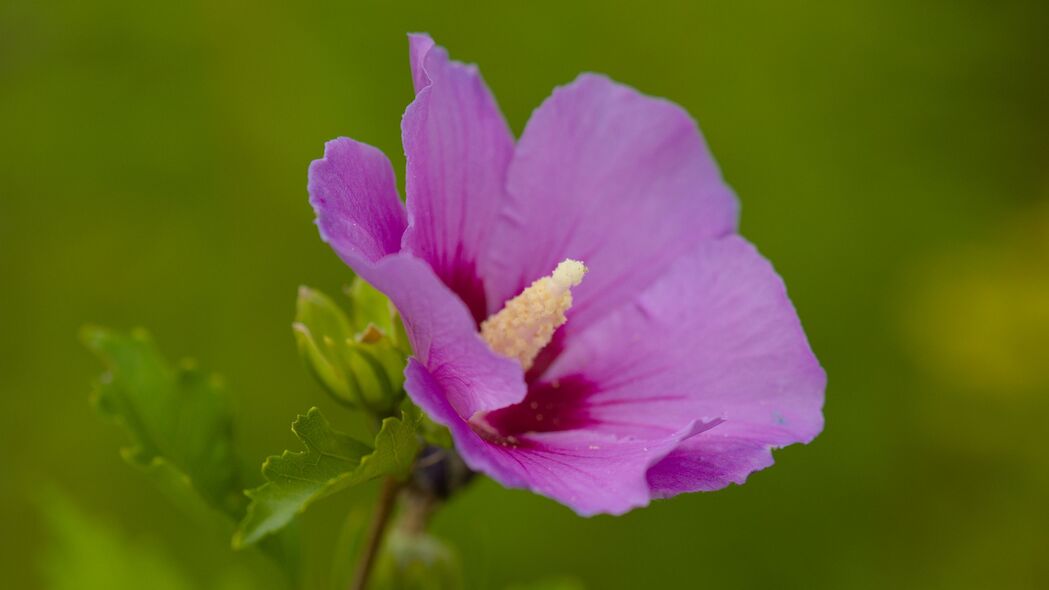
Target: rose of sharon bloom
column 584, row 318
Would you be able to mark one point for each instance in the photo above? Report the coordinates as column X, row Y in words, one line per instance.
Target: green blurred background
column 891, row 158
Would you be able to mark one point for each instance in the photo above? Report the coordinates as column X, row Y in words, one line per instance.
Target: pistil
column 527, row 322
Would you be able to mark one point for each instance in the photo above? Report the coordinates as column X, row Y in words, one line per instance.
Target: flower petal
column 444, row 337
column 353, row 192
column 621, row 181
column 589, row 472
column 715, row 337
column 710, row 462
column 458, row 148
column 594, row 473
column 419, row 44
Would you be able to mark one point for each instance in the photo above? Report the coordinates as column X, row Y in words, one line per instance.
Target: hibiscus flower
column 584, row 318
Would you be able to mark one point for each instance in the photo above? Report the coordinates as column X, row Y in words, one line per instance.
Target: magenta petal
column 592, row 473
column 419, row 44
column 458, row 148
column 603, row 174
column 710, row 462
column 358, row 213
column 353, row 192
column 433, row 397
column 715, row 337
column 444, row 337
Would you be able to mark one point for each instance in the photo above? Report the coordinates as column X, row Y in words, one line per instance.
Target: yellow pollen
column 527, row 322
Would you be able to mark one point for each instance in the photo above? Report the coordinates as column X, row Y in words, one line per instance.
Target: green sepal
column 332, row 462
column 430, row 431
column 354, row 356
column 369, row 306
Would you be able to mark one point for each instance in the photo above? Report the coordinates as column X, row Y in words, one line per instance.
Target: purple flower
column 680, row 363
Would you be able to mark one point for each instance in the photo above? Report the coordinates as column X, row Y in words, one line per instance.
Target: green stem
column 383, row 510
column 417, row 508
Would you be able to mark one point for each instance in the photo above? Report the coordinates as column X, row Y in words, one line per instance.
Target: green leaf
column 355, row 357
column 430, row 431
column 331, row 462
column 180, row 426
column 178, row 419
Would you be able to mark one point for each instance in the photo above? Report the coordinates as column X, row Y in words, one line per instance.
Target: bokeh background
column 892, row 158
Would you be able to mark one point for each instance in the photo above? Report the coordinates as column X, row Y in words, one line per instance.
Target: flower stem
column 383, row 509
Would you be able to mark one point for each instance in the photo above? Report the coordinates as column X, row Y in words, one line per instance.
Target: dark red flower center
column 547, row 407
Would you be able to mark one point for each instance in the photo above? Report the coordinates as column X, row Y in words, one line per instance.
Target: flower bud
column 357, row 357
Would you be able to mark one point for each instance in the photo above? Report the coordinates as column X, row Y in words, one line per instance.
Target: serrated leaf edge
column 330, row 487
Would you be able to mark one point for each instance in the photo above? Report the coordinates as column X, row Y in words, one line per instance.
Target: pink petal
column 353, row 191
column 589, row 472
column 419, row 44
column 603, row 174
column 444, row 337
column 458, row 148
column 710, row 461
column 715, row 338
